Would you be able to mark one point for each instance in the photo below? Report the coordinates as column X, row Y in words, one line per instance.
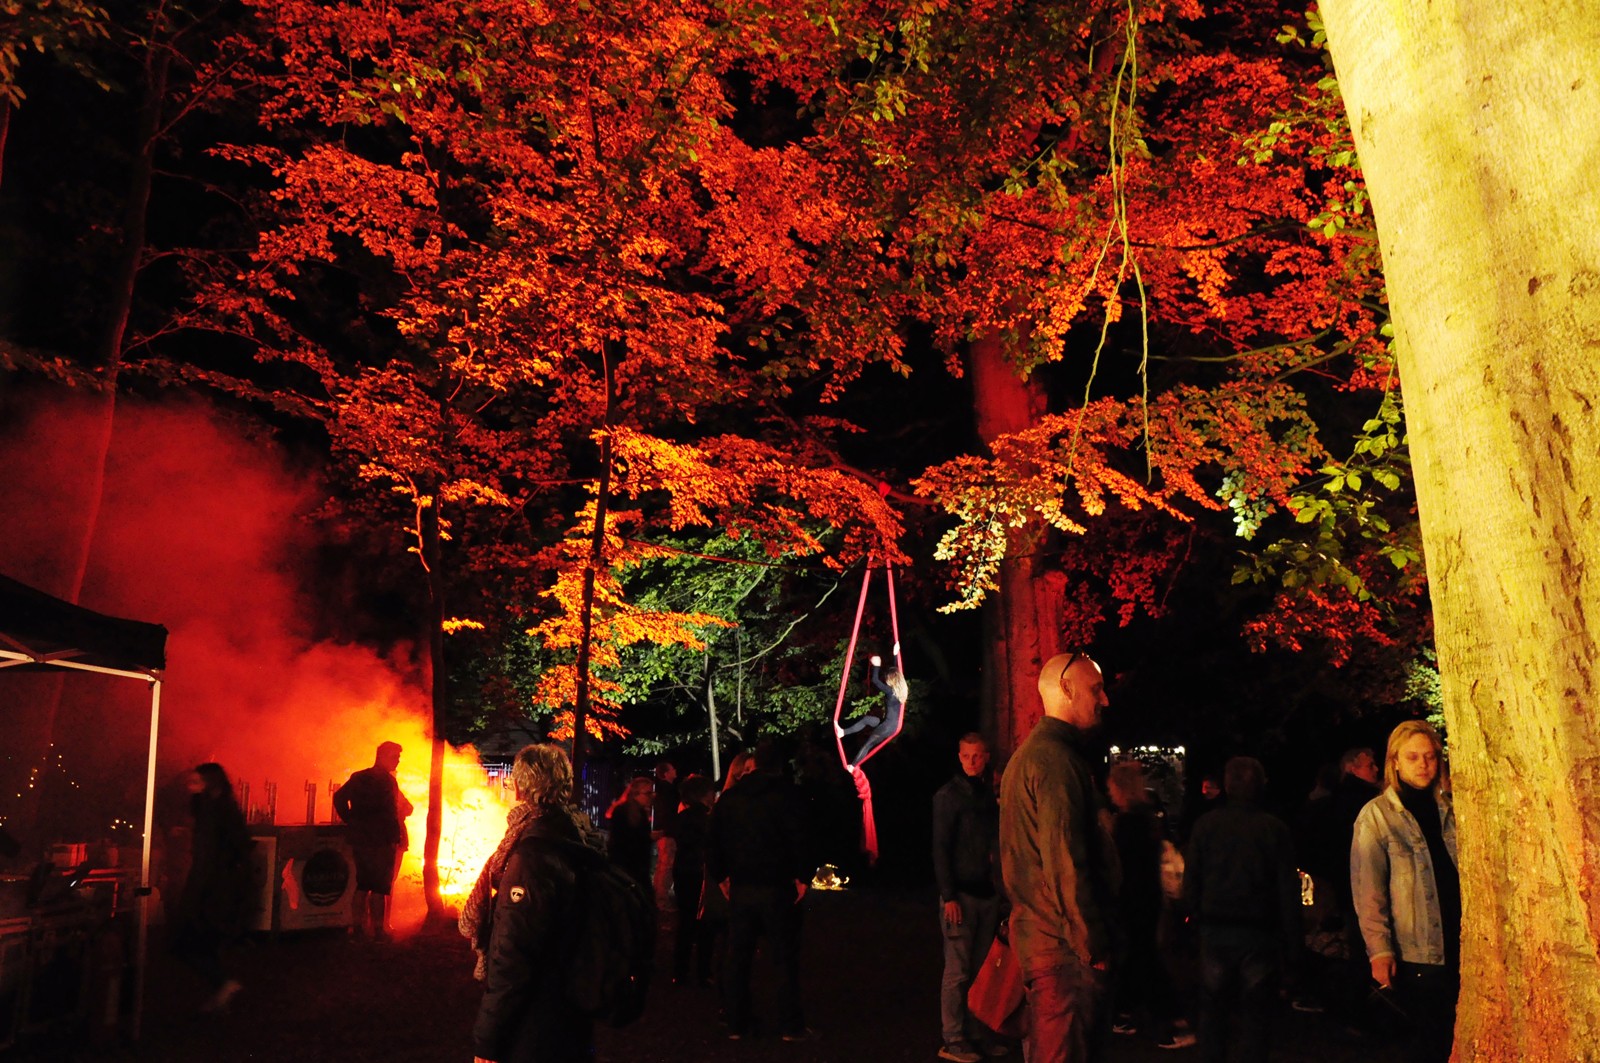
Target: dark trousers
column 1239, row 975
column 1144, row 988
column 1427, row 992
column 200, row 946
column 692, row 940
column 966, row 945
column 1068, row 1014
column 770, row 914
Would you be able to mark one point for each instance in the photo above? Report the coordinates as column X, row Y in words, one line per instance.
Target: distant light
column 1114, row 751
column 1178, row 750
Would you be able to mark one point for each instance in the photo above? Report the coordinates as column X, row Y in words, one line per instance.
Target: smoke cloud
column 203, row 528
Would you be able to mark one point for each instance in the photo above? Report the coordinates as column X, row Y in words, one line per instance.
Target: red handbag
column 995, row 998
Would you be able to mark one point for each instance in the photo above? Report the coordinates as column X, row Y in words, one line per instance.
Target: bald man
column 1058, row 867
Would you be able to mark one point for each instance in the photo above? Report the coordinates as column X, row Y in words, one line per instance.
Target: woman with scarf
column 518, row 918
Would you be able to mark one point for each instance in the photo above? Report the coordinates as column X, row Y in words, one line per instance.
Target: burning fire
column 473, row 819
column 473, row 822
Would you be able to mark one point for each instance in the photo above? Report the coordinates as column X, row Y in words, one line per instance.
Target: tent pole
column 144, row 871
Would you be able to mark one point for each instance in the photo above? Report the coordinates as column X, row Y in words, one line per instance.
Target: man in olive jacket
column 1059, row 872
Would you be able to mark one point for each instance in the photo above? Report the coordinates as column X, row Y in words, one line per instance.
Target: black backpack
column 615, row 924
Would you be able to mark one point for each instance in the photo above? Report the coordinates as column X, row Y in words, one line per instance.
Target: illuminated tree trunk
column 432, row 556
column 1023, row 621
column 1478, row 125
column 597, row 557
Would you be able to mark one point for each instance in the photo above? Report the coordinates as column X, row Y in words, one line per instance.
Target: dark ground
column 871, row 977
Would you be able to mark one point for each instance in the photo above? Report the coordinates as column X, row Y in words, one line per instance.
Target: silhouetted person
column 628, row 827
column 214, row 906
column 966, row 866
column 757, row 857
column 1059, row 869
column 692, row 828
column 1142, row 981
column 1240, row 884
column 1407, row 890
column 1330, row 829
column 663, row 813
column 371, row 804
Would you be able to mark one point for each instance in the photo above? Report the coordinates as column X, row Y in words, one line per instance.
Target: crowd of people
column 1100, row 915
column 1116, row 921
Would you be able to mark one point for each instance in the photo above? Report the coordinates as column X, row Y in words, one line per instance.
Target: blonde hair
column 542, row 775
column 738, row 767
column 1397, row 738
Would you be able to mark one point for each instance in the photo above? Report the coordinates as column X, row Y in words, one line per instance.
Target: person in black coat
column 214, row 905
column 966, row 866
column 531, row 941
column 628, row 822
column 757, row 857
column 1240, row 885
column 691, row 830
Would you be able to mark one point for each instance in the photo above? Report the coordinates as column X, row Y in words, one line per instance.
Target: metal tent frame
column 39, row 631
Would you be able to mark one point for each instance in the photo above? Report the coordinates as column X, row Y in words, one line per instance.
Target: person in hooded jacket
column 528, row 942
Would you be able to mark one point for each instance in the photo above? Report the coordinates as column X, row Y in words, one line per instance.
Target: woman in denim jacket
column 1407, row 891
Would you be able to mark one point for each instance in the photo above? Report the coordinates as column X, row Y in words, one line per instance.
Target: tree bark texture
column 1022, row 622
column 1478, row 125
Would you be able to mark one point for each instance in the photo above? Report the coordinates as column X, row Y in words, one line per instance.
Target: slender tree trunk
column 1022, row 622
column 432, row 555
column 1478, row 126
column 135, row 214
column 5, row 127
column 597, row 555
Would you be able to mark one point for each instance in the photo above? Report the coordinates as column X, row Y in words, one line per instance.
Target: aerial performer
column 885, row 722
column 881, row 725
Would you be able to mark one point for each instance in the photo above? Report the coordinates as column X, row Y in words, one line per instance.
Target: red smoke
column 203, row 528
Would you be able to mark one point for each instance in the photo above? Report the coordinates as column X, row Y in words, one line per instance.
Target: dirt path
column 871, row 974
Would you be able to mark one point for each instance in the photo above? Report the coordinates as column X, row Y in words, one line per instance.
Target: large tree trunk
column 1478, row 125
column 1022, row 623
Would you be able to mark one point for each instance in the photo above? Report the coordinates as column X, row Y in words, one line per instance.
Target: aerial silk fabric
column 869, row 826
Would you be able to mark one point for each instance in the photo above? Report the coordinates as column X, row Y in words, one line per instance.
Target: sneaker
column 807, row 1034
column 994, row 1050
column 958, row 1052
column 1307, row 1005
column 1177, row 1039
column 1124, row 1026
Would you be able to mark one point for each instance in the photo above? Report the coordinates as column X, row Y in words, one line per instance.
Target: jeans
column 1238, row 979
column 661, row 880
column 965, row 947
column 754, row 913
column 1068, row 1017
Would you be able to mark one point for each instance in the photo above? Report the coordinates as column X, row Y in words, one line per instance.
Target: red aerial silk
column 869, row 827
